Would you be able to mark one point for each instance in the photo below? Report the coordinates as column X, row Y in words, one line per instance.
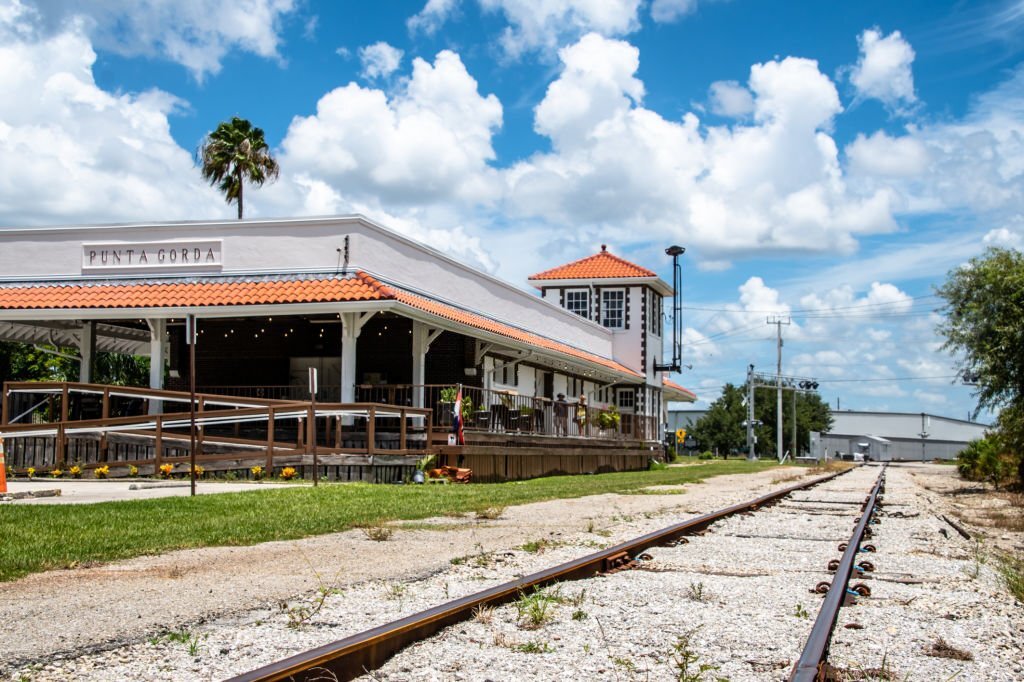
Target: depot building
column 381, row 317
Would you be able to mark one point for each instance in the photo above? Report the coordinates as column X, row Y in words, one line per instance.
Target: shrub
column 133, row 470
column 56, row 473
column 288, row 473
column 165, row 470
column 985, row 460
column 257, row 472
column 706, row 455
column 101, row 472
column 30, row 472
column 75, row 471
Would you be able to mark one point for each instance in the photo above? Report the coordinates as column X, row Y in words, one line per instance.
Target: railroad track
column 355, row 655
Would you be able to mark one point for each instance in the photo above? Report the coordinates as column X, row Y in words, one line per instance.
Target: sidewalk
column 88, row 491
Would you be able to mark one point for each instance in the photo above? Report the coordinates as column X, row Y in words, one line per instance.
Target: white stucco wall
column 304, row 245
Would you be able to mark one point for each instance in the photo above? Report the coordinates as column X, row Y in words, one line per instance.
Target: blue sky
column 831, row 161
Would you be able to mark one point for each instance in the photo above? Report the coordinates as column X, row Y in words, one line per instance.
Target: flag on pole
column 460, row 437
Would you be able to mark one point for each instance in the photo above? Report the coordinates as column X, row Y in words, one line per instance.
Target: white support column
column 86, row 349
column 351, row 326
column 422, row 337
column 157, row 359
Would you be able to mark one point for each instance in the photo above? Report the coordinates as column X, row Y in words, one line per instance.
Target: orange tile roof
column 191, row 294
column 188, row 294
column 603, row 265
column 669, row 384
column 486, row 324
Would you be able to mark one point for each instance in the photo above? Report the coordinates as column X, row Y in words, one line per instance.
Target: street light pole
column 190, row 332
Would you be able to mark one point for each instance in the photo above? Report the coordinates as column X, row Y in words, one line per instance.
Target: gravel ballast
column 735, row 601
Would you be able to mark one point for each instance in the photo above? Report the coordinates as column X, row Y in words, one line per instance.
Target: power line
column 812, row 310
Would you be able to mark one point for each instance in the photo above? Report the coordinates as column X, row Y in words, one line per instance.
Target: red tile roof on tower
column 239, row 291
column 603, row 265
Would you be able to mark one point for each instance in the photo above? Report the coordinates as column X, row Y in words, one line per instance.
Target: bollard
column 3, row 469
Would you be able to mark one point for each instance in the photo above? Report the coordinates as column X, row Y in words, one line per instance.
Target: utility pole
column 796, row 447
column 778, row 321
column 750, row 413
column 924, row 433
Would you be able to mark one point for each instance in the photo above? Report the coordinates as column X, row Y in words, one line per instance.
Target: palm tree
column 233, row 153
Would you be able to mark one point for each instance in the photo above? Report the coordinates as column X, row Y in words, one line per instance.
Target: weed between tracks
column 1011, row 569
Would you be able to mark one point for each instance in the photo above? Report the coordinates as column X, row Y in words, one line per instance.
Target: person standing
column 581, row 415
column 561, row 410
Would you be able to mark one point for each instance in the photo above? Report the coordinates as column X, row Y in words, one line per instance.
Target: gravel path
column 107, row 608
column 736, row 599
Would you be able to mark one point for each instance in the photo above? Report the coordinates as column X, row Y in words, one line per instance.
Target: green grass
column 40, row 537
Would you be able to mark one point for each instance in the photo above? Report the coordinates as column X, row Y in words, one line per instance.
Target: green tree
column 233, row 154
column 984, row 327
column 721, row 427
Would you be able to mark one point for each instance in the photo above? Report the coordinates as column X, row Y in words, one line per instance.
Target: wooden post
column 158, row 446
column 429, row 419
column 64, row 403
column 337, row 432
column 201, row 407
column 61, row 447
column 5, row 408
column 311, row 440
column 371, row 430
column 269, row 469
column 106, row 415
column 401, row 432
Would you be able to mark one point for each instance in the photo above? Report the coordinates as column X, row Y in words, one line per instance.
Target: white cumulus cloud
column 429, row 142
column 380, row 60
column 194, row 33
column 76, row 153
column 776, row 182
column 729, row 98
column 884, row 69
column 432, row 17
column 543, row 25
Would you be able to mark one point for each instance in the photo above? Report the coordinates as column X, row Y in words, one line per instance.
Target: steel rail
column 353, row 656
column 810, row 666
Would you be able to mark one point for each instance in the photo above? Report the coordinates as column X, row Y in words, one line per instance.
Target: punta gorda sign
column 142, row 257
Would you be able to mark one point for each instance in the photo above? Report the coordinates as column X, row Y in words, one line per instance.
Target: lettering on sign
column 202, row 256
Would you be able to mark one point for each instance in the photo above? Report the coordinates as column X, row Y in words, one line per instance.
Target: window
column 654, row 314
column 578, row 301
column 506, row 373
column 613, row 308
column 626, row 399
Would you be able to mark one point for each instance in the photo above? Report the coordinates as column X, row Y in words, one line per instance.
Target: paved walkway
column 87, row 491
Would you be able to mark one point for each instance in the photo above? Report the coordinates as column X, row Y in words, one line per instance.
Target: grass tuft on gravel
column 36, row 538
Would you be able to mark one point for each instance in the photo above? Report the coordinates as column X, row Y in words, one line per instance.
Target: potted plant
column 609, row 419
column 420, row 475
column 446, row 404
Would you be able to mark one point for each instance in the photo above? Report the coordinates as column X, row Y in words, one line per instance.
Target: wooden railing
column 509, row 412
column 60, row 433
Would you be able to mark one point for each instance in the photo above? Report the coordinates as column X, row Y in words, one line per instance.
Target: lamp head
column 675, row 251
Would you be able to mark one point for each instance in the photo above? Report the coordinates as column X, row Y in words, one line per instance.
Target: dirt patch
column 995, row 516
